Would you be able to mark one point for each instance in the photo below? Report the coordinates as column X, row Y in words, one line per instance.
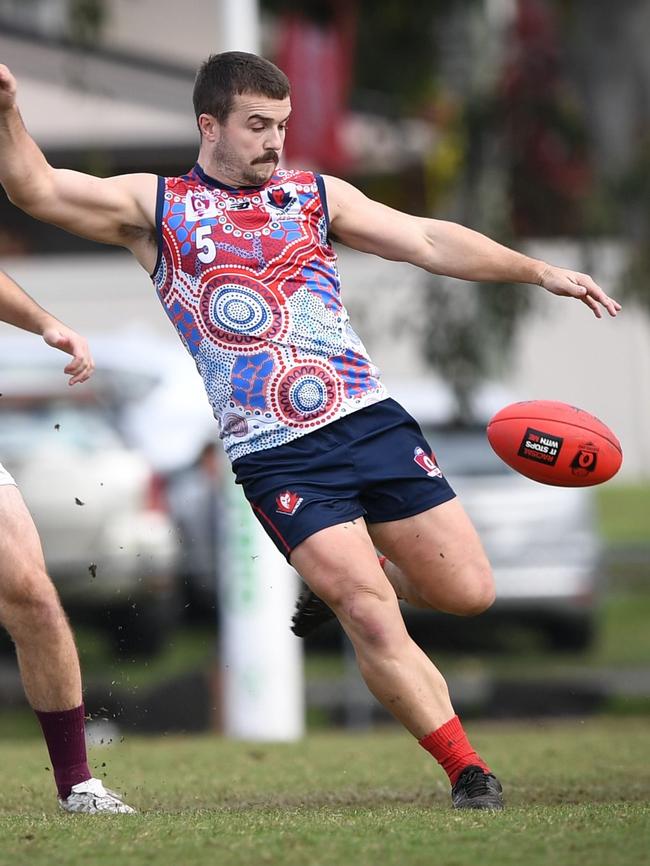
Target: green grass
column 577, row 793
column 624, row 513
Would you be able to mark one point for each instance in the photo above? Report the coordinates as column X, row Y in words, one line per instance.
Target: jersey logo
column 233, row 425
column 282, row 200
column 427, row 463
column 288, row 502
column 199, row 205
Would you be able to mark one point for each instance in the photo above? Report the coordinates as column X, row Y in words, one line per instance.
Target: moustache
column 270, row 156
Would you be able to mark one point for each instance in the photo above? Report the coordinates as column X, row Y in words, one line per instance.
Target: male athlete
column 30, row 609
column 241, row 257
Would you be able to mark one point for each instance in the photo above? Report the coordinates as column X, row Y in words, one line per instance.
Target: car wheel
column 142, row 627
column 571, row 634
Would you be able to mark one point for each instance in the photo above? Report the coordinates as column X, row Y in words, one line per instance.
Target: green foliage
column 631, row 197
column 636, row 281
column 87, row 19
column 467, row 332
column 395, row 48
column 396, row 55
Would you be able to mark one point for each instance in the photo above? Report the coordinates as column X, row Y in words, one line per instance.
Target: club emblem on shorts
column 426, row 462
column 288, row 502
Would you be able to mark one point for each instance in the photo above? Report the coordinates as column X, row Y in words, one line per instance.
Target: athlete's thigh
column 20, row 546
column 439, row 551
column 340, row 560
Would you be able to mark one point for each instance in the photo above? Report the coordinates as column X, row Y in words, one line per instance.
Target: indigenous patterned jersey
column 249, row 279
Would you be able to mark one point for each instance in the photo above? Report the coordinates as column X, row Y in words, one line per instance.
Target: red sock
column 451, row 749
column 65, row 736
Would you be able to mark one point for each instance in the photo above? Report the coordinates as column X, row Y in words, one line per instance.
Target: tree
column 477, row 80
column 86, row 21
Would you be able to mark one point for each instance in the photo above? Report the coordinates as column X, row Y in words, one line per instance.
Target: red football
column 555, row 443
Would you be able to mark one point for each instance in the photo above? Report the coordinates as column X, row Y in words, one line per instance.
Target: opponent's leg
column 31, row 612
column 340, row 565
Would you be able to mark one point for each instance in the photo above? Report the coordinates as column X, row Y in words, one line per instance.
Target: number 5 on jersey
column 206, row 248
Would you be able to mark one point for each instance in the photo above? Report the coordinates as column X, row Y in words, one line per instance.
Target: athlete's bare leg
column 340, row 565
column 436, row 560
column 31, row 612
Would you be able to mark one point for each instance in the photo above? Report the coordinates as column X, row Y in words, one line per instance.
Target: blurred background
column 524, row 119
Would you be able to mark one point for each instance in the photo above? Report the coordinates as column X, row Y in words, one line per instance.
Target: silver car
column 541, row 540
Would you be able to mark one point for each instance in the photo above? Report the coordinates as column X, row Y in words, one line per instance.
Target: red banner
column 318, row 59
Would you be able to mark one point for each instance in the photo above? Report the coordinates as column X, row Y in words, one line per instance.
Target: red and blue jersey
column 249, row 279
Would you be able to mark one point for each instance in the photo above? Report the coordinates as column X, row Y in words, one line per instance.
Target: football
column 555, row 443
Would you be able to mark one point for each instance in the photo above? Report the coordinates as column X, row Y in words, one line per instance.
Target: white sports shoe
column 91, row 798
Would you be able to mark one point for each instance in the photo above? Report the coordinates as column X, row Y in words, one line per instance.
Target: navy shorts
column 374, row 463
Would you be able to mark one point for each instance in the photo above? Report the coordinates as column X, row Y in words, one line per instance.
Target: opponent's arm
column 118, row 210
column 447, row 248
column 18, row 309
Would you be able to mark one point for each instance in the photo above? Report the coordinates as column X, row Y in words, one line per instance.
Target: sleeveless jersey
column 249, row 279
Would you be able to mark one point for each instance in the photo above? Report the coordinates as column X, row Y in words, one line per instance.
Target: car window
column 461, row 451
column 81, row 428
column 108, row 385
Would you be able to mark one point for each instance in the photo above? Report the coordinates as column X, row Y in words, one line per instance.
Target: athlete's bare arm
column 17, row 308
column 447, row 248
column 118, row 210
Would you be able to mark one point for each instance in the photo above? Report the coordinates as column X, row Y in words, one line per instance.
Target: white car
column 108, row 541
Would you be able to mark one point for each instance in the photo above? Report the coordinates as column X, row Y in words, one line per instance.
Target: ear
column 209, row 127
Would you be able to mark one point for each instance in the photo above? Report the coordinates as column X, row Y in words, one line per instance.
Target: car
column 108, row 540
column 541, row 540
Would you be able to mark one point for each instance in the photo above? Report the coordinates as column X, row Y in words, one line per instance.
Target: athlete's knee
column 29, row 601
column 479, row 600
column 478, row 589
column 368, row 614
column 469, row 592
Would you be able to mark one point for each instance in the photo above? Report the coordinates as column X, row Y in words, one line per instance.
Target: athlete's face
column 246, row 149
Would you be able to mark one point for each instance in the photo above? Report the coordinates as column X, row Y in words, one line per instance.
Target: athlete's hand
column 7, row 88
column 571, row 284
column 82, row 365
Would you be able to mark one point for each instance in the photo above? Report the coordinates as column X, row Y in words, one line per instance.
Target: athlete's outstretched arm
column 114, row 210
column 17, row 308
column 448, row 248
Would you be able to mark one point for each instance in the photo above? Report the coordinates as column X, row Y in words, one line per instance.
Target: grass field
column 578, row 793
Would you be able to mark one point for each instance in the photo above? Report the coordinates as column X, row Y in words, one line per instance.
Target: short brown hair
column 222, row 76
